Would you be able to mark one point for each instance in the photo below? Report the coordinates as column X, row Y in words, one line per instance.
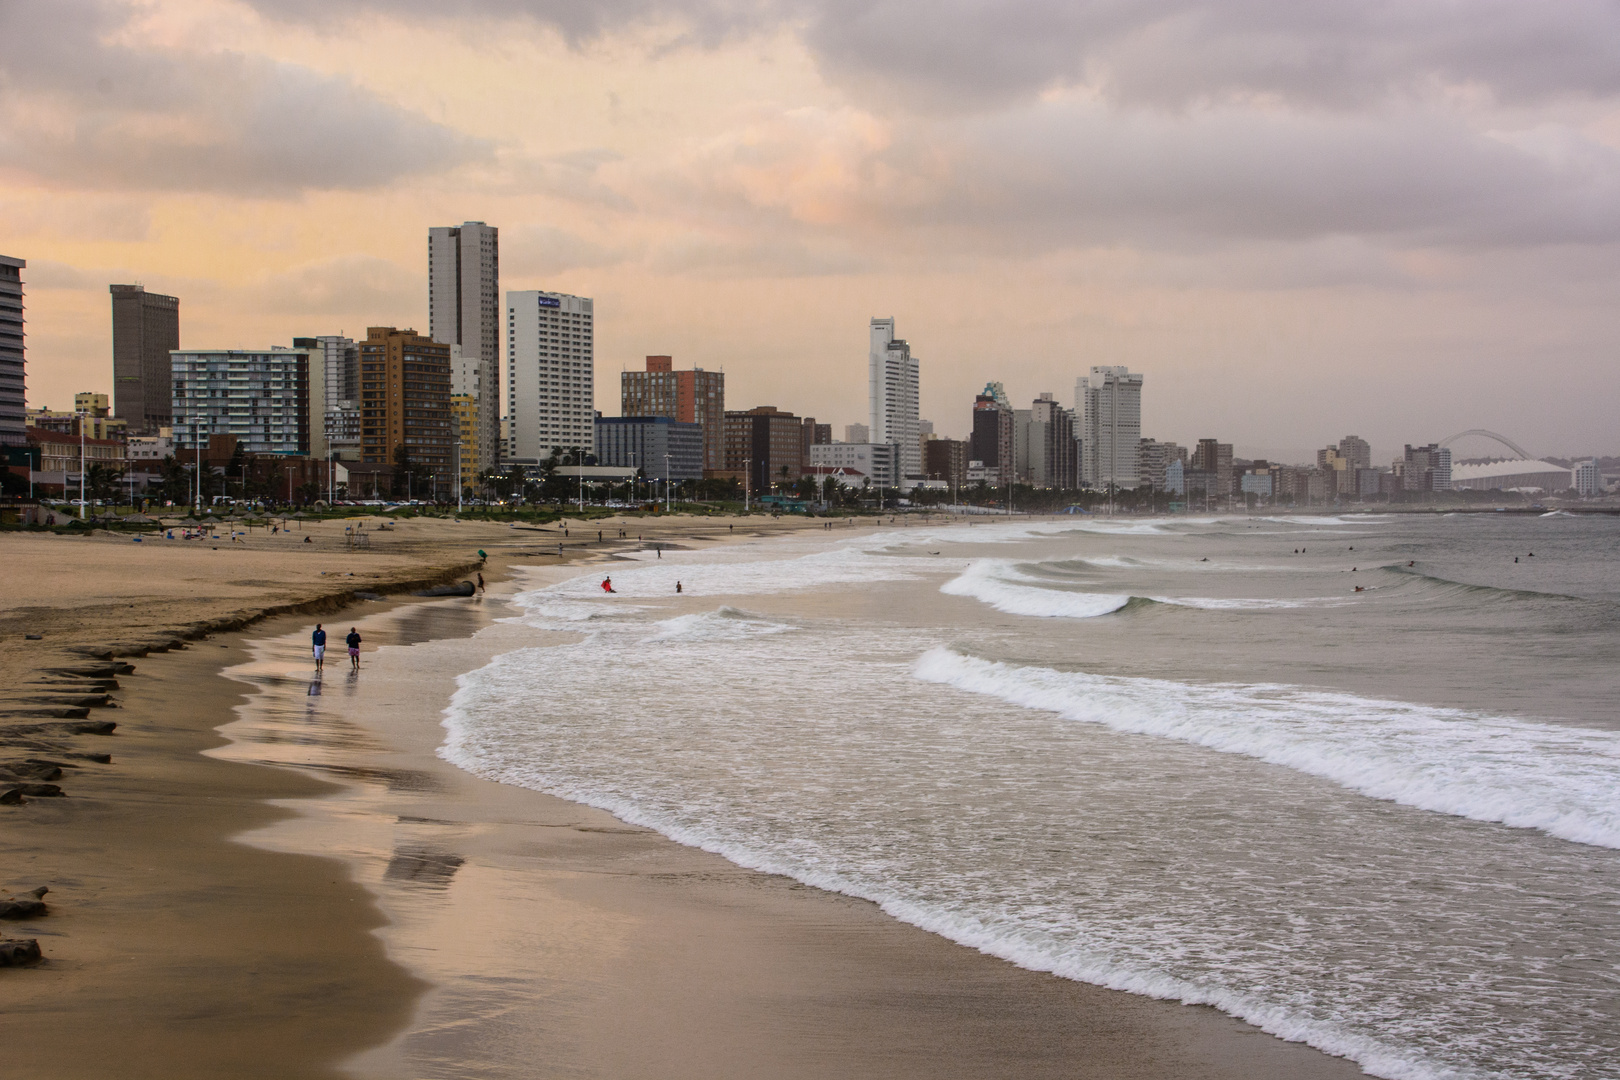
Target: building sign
column 550, row 301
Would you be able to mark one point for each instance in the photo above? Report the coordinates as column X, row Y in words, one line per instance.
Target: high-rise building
column 945, row 459
column 993, row 441
column 1213, row 459
column 766, row 445
column 1155, row 458
column 1108, row 402
column 405, row 401
column 339, row 408
column 857, row 433
column 893, row 395
column 464, row 418
column 692, row 397
column 146, row 328
column 662, row 448
column 1357, row 451
column 550, row 374
column 269, row 400
column 1586, row 478
column 464, row 309
column 855, row 463
column 1053, row 459
column 1425, row 468
column 13, row 391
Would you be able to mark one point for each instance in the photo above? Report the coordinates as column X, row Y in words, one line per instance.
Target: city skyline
column 1278, row 247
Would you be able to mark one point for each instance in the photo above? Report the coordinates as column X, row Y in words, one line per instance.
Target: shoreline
column 584, row 943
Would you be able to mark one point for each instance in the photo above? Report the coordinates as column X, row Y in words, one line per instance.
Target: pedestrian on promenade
column 318, row 646
column 353, row 642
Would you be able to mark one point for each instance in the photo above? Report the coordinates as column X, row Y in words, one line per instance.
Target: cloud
column 348, row 285
column 545, row 251
column 78, row 109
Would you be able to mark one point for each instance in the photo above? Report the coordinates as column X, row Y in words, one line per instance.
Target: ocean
column 1353, row 779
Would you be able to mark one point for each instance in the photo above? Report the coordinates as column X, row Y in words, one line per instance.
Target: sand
column 447, row 926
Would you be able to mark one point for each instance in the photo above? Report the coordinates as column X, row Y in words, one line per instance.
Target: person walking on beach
column 353, row 642
column 318, row 645
column 677, row 586
column 480, row 584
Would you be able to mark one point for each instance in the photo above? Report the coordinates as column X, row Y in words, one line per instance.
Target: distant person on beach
column 480, row 584
column 677, row 586
column 353, row 642
column 318, row 644
column 607, row 584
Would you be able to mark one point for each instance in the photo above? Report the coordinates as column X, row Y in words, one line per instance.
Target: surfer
column 607, row 584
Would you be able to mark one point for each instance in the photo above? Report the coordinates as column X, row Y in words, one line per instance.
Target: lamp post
column 667, row 505
column 81, row 464
column 196, row 436
column 748, row 479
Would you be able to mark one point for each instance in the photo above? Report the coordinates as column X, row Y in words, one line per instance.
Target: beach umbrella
column 140, row 519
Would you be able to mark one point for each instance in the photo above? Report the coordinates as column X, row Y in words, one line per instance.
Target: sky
column 1299, row 219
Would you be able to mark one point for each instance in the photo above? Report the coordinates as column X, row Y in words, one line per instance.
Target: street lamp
column 667, row 505
column 81, row 464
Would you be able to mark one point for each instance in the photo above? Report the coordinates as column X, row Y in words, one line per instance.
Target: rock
column 28, row 905
column 37, row 791
column 19, row 952
column 34, row 637
column 28, row 770
column 63, row 727
column 460, row 588
column 13, row 797
column 360, row 595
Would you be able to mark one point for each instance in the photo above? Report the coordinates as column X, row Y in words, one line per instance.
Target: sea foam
column 1564, row 781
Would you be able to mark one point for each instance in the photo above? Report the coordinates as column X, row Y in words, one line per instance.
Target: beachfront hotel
column 892, row 390
column 550, row 374
column 693, row 397
column 145, row 330
column 464, row 310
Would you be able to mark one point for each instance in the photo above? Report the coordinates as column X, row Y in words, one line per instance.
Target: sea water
column 1353, row 779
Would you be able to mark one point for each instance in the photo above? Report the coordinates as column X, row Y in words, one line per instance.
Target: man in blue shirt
column 319, row 640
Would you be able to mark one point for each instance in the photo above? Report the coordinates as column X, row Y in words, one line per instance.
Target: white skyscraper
column 1109, row 405
column 893, row 387
column 550, row 374
column 464, row 308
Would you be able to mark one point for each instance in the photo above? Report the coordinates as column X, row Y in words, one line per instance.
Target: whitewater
column 1178, row 757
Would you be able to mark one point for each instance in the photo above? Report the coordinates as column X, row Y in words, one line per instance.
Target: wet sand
column 392, row 916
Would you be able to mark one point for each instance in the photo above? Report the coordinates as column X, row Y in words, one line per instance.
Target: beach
column 373, row 910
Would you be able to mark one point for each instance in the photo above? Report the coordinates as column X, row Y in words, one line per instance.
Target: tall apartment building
column 1108, row 402
column 766, row 445
column 993, row 443
column 1053, row 458
column 464, row 309
column 405, row 401
column 1156, row 458
column 339, row 407
column 550, row 380
column 893, row 395
column 857, row 433
column 13, row 391
column 146, row 328
column 694, row 396
column 1425, row 468
column 464, row 422
column 1357, row 451
column 1213, row 460
column 814, row 434
column 268, row 399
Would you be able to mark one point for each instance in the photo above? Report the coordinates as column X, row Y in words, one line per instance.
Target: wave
column 985, row 581
column 1562, row 781
column 1497, row 592
column 725, row 623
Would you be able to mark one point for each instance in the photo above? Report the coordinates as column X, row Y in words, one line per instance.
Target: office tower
column 13, row 392
column 1425, row 468
column 405, row 401
column 766, row 445
column 945, row 459
column 1109, row 404
column 464, row 309
column 992, row 443
column 550, row 374
column 1214, row 458
column 1023, row 420
column 857, row 433
column 692, row 397
column 663, row 448
column 893, row 395
column 146, row 328
column 1586, row 478
column 269, row 400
